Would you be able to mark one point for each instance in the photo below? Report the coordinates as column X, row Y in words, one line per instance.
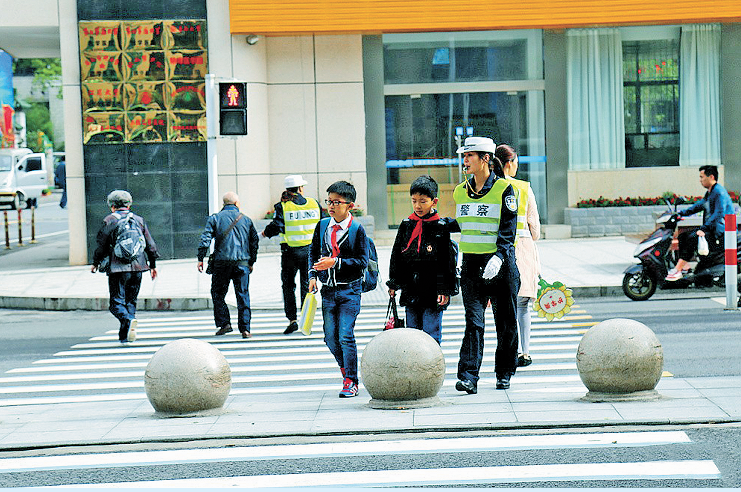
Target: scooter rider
column 486, row 215
column 716, row 204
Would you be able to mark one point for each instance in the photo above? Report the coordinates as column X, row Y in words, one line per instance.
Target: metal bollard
column 20, row 228
column 731, row 262
column 7, row 230
column 33, row 224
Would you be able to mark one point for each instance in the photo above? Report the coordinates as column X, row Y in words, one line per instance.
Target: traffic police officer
column 486, row 216
column 295, row 218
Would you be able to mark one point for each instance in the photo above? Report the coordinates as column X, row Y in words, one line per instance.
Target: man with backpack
column 125, row 250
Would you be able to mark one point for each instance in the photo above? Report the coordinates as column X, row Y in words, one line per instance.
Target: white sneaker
column 673, row 275
column 132, row 330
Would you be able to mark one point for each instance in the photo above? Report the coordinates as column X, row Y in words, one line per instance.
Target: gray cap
column 119, row 198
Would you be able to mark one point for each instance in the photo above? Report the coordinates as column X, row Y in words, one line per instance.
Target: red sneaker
column 349, row 389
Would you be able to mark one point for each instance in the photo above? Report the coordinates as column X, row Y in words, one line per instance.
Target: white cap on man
column 477, row 144
column 294, row 181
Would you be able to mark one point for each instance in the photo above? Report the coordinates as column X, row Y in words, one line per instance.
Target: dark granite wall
column 168, row 181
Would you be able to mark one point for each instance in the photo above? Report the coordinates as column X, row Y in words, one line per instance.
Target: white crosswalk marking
column 326, row 450
column 104, row 370
column 659, row 470
column 379, row 475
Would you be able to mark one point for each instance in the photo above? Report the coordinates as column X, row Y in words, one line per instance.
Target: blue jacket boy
column 338, row 257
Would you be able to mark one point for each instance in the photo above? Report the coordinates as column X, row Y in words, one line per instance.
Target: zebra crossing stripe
column 329, row 365
column 269, row 362
column 81, row 363
column 341, row 449
column 138, row 377
column 68, row 357
column 652, row 470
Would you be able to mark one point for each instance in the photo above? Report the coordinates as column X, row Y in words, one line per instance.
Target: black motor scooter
column 657, row 258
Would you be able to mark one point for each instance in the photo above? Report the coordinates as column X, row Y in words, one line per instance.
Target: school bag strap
column 323, row 225
column 221, row 237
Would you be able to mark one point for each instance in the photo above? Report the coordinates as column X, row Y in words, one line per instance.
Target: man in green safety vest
column 295, row 218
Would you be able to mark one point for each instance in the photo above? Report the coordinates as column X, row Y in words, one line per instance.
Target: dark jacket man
column 235, row 252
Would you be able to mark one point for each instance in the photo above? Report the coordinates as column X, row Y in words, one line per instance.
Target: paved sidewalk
column 546, row 405
column 590, row 266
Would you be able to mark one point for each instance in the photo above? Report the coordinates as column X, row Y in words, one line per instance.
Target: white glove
column 492, row 267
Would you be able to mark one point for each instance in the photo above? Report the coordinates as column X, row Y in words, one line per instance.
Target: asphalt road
column 699, row 337
column 52, row 247
column 717, row 443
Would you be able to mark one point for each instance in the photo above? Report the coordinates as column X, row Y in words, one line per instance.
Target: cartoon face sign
column 554, row 300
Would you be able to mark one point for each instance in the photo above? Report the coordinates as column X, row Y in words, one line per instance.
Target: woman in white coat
column 526, row 252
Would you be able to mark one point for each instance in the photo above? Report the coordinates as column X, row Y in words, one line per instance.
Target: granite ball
column 187, row 376
column 403, row 368
column 619, row 356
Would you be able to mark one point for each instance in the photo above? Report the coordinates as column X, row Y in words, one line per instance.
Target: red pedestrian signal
column 233, row 108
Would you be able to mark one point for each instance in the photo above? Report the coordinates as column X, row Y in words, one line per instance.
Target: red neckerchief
column 417, row 232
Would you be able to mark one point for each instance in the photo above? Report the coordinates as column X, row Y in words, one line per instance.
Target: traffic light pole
column 212, row 125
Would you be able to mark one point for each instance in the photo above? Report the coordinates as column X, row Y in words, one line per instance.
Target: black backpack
column 129, row 238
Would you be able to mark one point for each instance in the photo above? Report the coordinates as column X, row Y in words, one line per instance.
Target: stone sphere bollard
column 403, row 368
column 187, row 376
column 620, row 359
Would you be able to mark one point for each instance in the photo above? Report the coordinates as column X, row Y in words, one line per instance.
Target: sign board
column 143, row 81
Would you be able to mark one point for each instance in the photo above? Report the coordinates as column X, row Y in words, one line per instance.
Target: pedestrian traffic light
column 233, row 108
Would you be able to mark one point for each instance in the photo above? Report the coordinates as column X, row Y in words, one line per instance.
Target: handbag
column 308, row 311
column 392, row 316
column 703, row 249
column 210, row 264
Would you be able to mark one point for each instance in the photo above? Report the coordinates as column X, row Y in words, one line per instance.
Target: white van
column 22, row 177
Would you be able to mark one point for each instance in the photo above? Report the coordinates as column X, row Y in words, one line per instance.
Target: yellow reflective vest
column 300, row 222
column 478, row 218
column 521, row 190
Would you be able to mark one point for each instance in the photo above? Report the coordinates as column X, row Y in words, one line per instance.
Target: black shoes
column 246, row 334
column 524, row 360
column 293, row 326
column 467, row 386
column 224, row 330
column 503, row 382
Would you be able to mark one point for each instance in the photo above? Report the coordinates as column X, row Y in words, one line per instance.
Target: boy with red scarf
column 422, row 265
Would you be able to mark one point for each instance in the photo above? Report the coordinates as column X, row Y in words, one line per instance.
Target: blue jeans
column 340, row 308
column 502, row 291
column 63, row 201
column 429, row 320
column 124, row 289
column 239, row 275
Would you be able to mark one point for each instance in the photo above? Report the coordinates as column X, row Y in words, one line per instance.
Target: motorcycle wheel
column 639, row 286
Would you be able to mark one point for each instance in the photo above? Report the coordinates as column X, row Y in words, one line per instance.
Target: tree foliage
column 45, row 71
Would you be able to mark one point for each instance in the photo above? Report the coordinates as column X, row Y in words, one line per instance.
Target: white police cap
column 477, row 144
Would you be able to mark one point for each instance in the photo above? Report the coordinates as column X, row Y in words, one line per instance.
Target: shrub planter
column 615, row 221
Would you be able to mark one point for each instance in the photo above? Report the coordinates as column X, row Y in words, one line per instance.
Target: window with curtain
column 595, row 99
column 700, row 95
column 651, row 102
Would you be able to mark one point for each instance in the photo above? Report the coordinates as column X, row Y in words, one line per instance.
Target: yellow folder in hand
column 308, row 310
